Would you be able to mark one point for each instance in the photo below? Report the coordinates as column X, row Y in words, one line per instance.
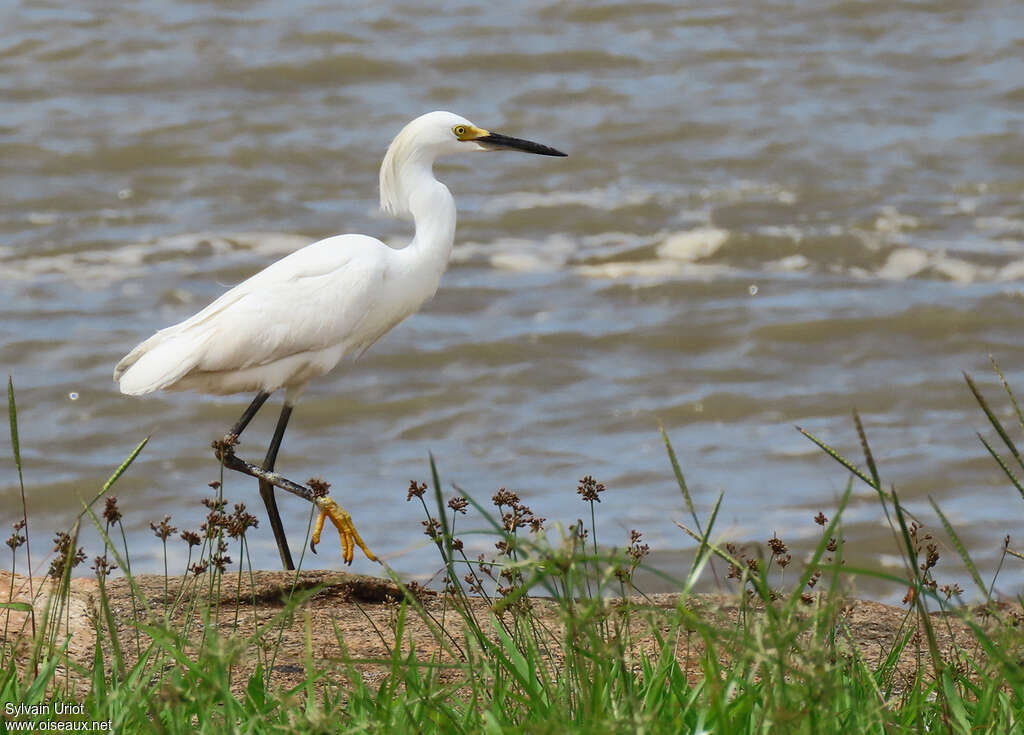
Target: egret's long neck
column 433, row 212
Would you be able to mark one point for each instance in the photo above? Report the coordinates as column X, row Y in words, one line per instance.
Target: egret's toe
column 347, row 532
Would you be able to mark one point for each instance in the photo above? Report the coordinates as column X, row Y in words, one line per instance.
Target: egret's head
column 436, row 134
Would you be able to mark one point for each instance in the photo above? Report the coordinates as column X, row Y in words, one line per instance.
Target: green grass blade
column 1009, row 391
column 44, row 680
column 960, row 548
column 680, row 480
column 703, row 551
column 12, row 415
column 114, row 477
column 956, row 703
column 868, row 457
column 125, row 465
column 840, row 459
column 442, row 516
column 996, row 424
column 1006, row 469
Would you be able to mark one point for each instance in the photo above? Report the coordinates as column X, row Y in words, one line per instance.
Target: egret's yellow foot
column 346, row 529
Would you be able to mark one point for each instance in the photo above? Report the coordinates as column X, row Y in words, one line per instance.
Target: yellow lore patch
column 469, row 132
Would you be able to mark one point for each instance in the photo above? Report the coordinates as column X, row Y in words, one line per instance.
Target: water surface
column 771, row 215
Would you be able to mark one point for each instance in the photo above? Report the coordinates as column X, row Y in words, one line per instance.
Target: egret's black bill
column 497, row 141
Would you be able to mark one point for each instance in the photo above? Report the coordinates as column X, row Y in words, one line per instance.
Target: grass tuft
column 549, row 633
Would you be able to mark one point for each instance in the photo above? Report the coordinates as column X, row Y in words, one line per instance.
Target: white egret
column 300, row 317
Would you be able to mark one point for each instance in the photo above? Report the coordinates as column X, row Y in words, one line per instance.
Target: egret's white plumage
column 289, row 323
column 300, row 317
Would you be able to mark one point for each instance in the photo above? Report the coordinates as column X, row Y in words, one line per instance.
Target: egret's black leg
column 257, row 403
column 267, row 489
column 236, row 463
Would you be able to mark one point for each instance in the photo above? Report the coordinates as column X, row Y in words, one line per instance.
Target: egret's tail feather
column 157, row 363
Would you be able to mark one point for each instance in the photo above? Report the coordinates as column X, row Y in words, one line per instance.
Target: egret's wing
column 312, row 299
column 301, row 311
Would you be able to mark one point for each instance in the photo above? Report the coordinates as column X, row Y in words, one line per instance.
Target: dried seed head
column 213, row 524
column 191, row 538
column 216, row 520
column 416, row 490
column 458, row 504
column 164, row 529
column 505, row 497
column 483, row 567
column 241, row 521
column 432, row 528
column 102, row 566
column 17, row 538
column 950, row 590
column 589, row 489
column 636, row 551
column 319, row 486
column 777, row 546
column 111, row 512
column 62, row 545
column 739, row 554
column 224, row 447
column 931, row 558
column 220, row 558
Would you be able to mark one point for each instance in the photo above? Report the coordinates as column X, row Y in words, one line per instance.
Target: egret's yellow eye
column 460, row 131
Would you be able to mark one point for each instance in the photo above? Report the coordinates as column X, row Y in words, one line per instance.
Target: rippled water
column 771, row 214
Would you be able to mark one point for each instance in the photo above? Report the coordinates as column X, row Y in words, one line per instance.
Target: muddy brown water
column 771, row 214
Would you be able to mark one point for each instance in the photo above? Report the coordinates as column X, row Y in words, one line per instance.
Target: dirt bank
column 362, row 612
